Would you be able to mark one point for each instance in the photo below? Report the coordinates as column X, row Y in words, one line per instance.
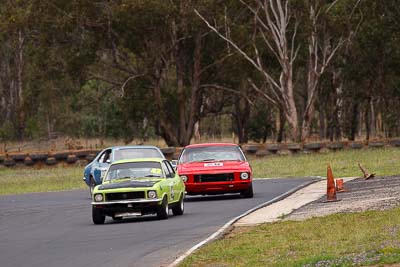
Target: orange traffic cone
column 339, row 186
column 331, row 188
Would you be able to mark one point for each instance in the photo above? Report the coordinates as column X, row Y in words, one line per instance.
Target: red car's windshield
column 211, row 153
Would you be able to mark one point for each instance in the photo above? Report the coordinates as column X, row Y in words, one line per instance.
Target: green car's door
column 172, row 182
column 178, row 183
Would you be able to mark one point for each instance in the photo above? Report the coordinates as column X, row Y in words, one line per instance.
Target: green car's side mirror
column 174, row 162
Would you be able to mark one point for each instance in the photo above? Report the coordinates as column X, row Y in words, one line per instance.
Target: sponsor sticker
column 214, row 164
column 156, row 171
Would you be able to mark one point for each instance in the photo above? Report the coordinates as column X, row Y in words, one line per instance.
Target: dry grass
column 382, row 161
column 27, row 179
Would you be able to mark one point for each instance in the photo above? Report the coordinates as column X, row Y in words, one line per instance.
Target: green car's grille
column 123, row 196
column 221, row 177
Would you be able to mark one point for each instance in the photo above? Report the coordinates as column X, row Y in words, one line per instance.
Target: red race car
column 215, row 168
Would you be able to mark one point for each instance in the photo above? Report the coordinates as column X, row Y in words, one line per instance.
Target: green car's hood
column 129, row 184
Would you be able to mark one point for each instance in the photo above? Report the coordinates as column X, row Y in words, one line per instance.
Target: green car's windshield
column 134, row 170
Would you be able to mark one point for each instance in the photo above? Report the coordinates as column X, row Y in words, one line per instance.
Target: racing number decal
column 172, row 191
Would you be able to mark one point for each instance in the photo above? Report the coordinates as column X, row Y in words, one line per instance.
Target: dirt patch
column 379, row 193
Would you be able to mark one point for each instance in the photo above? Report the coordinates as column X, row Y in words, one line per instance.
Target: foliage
column 129, row 69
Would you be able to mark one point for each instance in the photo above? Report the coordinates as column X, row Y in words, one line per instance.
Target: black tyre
column 179, row 208
column 116, row 218
column 92, row 184
column 248, row 193
column 97, row 216
column 163, row 209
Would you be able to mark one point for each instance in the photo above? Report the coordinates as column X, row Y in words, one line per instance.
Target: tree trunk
column 312, row 82
column 180, row 70
column 166, row 131
column 196, row 97
column 20, row 94
column 179, row 131
column 372, row 118
column 354, row 121
column 367, row 122
column 307, row 120
column 290, row 108
column 241, row 116
column 281, row 128
column 322, row 130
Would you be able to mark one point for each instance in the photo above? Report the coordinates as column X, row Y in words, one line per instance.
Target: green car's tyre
column 97, row 216
column 163, row 209
column 248, row 193
column 179, row 208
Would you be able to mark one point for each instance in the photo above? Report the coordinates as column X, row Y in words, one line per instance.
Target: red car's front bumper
column 217, row 187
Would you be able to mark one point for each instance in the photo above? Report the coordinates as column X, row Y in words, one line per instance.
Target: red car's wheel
column 248, row 193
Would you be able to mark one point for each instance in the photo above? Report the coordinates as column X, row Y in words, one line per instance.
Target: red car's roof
column 211, row 144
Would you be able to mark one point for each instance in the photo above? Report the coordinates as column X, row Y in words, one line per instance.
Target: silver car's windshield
column 211, row 153
column 134, row 170
column 136, row 153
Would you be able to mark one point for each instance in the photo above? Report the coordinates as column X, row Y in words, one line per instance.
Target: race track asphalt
column 56, row 229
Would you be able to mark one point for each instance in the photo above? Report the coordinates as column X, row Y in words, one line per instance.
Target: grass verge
column 26, row 179
column 351, row 239
column 382, row 161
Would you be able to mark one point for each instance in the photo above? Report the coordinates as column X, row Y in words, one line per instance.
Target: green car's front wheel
column 179, row 208
column 97, row 216
column 163, row 209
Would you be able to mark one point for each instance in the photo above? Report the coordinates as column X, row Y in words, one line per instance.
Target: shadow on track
column 212, row 197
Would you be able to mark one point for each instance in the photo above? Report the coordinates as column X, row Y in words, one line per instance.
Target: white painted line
column 221, row 230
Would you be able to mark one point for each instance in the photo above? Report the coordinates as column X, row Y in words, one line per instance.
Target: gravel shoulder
column 379, row 193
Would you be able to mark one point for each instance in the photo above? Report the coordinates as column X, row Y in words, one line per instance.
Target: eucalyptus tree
column 276, row 24
column 164, row 47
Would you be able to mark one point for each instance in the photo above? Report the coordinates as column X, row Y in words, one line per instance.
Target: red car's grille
column 123, row 196
column 220, row 177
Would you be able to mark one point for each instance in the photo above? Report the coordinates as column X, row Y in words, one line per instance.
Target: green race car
column 138, row 187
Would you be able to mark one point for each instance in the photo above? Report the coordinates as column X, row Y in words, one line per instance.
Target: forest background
column 262, row 70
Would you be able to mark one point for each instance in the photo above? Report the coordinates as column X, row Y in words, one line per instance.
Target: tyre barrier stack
column 49, row 158
column 84, row 156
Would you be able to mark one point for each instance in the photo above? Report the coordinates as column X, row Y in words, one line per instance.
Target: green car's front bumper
column 128, row 201
column 120, row 207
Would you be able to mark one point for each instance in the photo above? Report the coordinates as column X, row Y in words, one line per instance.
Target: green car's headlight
column 98, row 197
column 152, row 194
column 184, row 178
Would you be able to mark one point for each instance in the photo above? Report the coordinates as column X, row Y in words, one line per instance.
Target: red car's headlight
column 244, row 176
